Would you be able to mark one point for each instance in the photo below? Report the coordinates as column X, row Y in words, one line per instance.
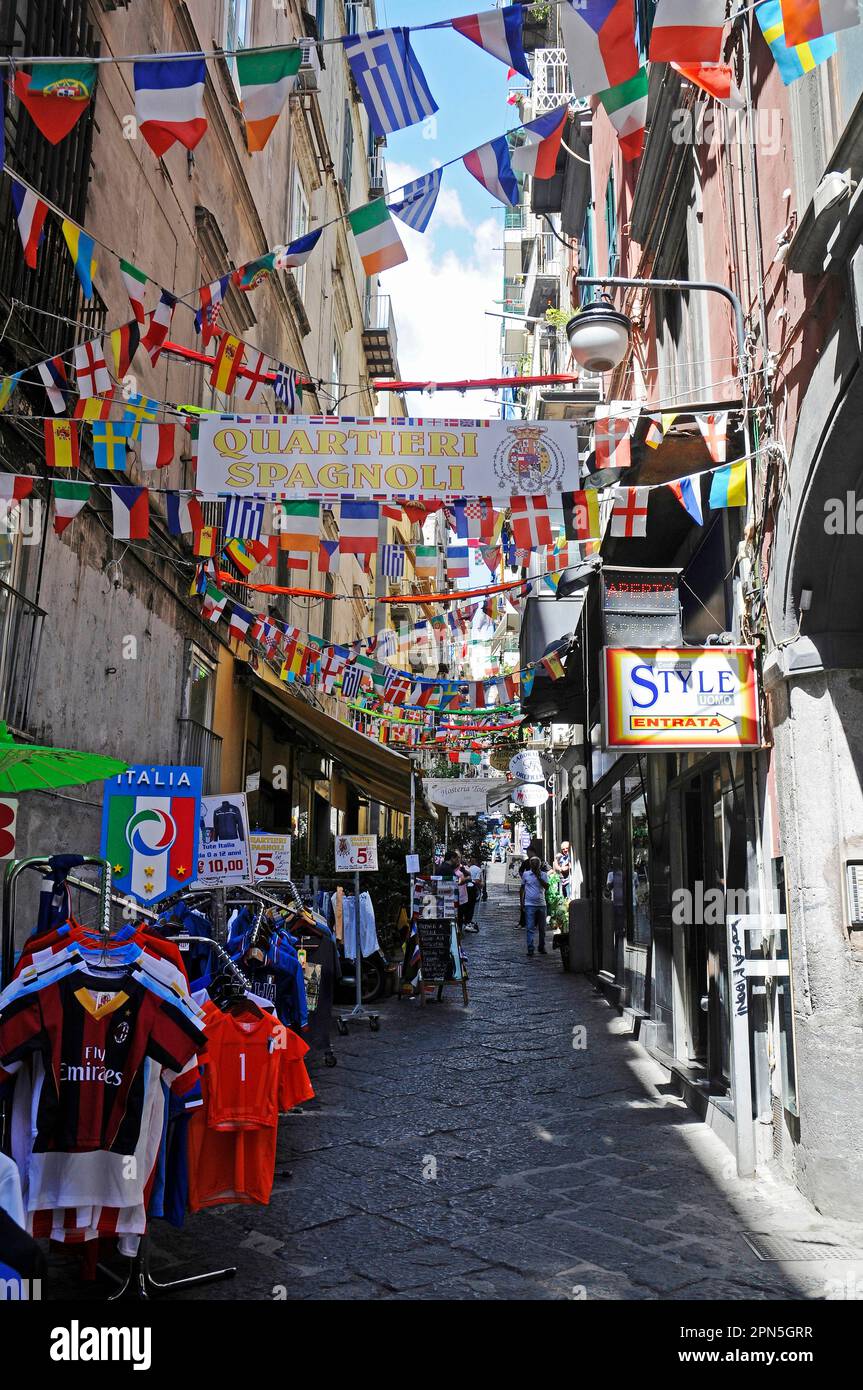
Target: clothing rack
column 138, row 1283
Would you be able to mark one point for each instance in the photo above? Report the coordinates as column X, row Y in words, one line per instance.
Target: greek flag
column 286, row 387
column 418, row 200
column 391, row 82
column 392, row 561
column 352, row 680
column 243, row 519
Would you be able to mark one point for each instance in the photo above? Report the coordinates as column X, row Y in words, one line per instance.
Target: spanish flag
column 206, row 542
column 226, row 368
column 61, row 444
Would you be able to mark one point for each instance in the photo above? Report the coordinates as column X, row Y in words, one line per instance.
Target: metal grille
column 200, row 747
column 771, row 1248
column 59, row 172
column 20, row 637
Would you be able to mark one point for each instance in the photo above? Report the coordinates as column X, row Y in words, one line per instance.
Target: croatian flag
column 211, row 297
column 30, row 214
column 499, row 32
column 491, row 166
column 538, row 155
column 599, row 39
column 169, row 102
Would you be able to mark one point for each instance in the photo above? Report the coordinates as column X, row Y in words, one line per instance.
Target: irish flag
column 626, row 108
column 377, row 239
column 150, row 838
column 267, row 79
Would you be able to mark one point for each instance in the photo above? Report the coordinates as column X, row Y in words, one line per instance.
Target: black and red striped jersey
column 94, row 1043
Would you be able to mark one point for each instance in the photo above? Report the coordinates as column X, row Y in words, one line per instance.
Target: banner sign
column 686, row 698
column 356, row 854
column 150, row 830
column 271, row 856
column 315, row 455
column 531, row 766
column 223, row 856
column 461, row 795
column 530, row 794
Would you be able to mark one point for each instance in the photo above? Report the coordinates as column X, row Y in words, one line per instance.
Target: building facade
column 102, row 646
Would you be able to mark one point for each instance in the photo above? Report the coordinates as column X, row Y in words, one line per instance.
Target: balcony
column 200, row 747
column 542, row 282
column 552, row 85
column 380, row 340
column 20, row 638
column 377, row 177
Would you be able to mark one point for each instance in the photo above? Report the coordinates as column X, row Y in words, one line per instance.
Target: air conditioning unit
column 308, row 77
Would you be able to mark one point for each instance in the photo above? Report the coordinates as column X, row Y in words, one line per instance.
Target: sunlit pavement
column 475, row 1153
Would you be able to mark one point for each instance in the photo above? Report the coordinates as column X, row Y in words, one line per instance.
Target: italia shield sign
column 150, row 830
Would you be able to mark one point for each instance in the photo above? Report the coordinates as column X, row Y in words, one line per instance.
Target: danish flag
column 611, row 439
column 531, row 524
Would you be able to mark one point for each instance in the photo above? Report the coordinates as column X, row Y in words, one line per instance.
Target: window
column 200, row 688
column 337, row 368
column 352, row 16
column 299, row 222
column 611, row 224
column 348, row 151
column 237, row 27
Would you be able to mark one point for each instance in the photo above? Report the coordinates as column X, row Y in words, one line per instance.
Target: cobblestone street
column 476, row 1154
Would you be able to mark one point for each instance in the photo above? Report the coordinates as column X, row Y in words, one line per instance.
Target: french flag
column 169, row 102
column 499, row 32
column 491, row 166
column 30, row 213
column 538, row 155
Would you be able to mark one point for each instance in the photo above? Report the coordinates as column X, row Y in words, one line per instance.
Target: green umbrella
column 27, row 767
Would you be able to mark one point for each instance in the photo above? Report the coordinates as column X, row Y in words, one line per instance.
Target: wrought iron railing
column 21, row 623
column 200, row 747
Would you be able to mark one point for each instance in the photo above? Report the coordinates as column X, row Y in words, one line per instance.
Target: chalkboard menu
column 435, row 939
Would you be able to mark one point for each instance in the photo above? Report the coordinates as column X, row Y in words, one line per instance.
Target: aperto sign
column 680, row 698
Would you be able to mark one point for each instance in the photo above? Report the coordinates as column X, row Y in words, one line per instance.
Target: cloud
column 439, row 300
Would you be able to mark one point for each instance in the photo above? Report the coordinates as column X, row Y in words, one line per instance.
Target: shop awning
column 375, row 770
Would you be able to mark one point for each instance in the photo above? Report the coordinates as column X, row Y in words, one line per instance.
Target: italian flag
column 267, row 79
column 377, row 239
column 626, row 107
column 69, row 499
column 150, row 842
column 136, row 287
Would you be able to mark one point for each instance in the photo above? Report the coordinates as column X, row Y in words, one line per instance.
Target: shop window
column 299, row 223
column 348, row 151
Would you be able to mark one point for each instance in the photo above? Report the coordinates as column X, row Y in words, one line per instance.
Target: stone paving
column 475, row 1153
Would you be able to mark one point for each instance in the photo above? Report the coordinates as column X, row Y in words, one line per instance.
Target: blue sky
column 455, row 270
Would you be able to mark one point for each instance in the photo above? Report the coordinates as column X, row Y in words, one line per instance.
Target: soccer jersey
column 93, row 1043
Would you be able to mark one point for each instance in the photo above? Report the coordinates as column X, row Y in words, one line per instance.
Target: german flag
column 124, row 345
column 61, row 444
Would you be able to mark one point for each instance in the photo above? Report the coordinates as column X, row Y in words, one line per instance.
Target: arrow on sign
column 666, row 723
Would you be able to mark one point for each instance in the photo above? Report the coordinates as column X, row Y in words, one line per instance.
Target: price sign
column 223, row 852
column 271, row 856
column 356, row 854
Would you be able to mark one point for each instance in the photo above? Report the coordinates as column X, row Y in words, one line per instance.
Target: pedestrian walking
column 534, row 883
column 474, row 888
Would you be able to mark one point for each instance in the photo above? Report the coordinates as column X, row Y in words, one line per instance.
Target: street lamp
column 599, row 336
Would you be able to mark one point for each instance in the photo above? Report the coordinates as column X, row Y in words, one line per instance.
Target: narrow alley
column 498, row 1152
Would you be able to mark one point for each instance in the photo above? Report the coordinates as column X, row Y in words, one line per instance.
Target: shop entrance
column 713, row 853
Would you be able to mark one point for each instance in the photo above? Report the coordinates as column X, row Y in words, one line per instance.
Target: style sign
column 8, row 820
column 150, row 830
column 681, row 698
column 271, row 856
column 314, row 456
column 224, row 852
column 356, row 854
